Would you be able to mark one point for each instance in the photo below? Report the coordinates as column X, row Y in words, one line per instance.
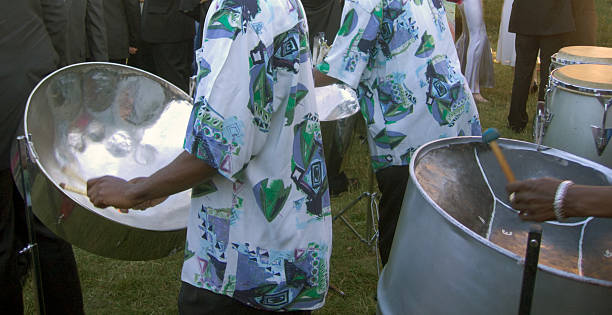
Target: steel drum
column 94, row 119
column 459, row 248
column 336, row 102
column 577, row 116
column 337, row 105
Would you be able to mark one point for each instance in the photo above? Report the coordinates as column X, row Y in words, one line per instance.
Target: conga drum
column 577, row 118
column 459, row 247
column 581, row 55
column 93, row 119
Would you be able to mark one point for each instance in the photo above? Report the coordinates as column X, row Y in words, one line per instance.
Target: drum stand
column 32, row 246
column 371, row 236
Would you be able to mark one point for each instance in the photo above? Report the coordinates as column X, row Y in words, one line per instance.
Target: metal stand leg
column 32, row 246
column 371, row 236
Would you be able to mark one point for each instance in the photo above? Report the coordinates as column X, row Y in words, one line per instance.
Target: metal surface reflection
column 94, row 119
column 335, row 102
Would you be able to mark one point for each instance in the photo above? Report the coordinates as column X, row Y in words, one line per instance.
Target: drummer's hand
column 110, row 191
column 534, row 198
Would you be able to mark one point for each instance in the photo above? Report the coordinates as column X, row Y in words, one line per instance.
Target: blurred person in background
column 121, row 19
column 169, row 34
column 86, row 32
column 32, row 45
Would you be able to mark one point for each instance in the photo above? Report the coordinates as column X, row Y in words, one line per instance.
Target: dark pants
column 172, row 62
column 193, row 300
column 527, row 48
column 142, row 59
column 337, row 137
column 60, row 279
column 392, row 183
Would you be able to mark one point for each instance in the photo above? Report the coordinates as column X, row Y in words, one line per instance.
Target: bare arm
column 534, row 199
column 181, row 174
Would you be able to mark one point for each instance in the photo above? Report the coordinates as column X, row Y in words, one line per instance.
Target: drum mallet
column 489, row 137
column 535, row 234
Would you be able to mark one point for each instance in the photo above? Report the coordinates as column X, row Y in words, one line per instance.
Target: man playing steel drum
column 401, row 59
column 259, row 230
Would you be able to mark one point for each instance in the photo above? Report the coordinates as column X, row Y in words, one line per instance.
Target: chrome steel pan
column 459, row 248
column 94, row 119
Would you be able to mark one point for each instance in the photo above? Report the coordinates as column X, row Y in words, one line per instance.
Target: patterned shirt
column 400, row 57
column 260, row 230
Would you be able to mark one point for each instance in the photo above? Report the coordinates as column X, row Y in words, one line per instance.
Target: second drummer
column 259, row 229
column 402, row 61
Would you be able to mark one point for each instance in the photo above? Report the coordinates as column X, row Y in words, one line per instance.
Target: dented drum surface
column 93, row 119
column 459, row 248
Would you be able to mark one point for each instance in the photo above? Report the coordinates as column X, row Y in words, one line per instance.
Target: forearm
column 181, row 174
column 583, row 201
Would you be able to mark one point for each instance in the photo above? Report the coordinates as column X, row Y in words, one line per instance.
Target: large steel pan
column 94, row 119
column 459, row 248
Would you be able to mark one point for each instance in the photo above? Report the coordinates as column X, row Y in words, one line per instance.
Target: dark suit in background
column 86, row 33
column 323, row 16
column 32, row 45
column 585, row 18
column 169, row 34
column 121, row 19
column 540, row 25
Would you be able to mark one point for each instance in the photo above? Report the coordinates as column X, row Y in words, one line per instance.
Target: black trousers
column 197, row 301
column 172, row 62
column 60, row 279
column 527, row 48
column 392, row 183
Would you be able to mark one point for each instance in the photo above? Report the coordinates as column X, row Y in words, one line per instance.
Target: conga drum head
column 589, row 76
column 584, row 54
column 459, row 247
column 93, row 119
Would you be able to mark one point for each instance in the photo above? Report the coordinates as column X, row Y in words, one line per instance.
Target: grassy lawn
column 151, row 287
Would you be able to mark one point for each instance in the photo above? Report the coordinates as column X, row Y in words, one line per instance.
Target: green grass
column 151, row 287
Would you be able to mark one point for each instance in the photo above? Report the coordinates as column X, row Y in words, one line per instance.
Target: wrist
column 559, row 203
column 137, row 192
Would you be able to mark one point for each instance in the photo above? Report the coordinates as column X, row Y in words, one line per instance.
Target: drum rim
column 591, row 59
column 31, row 150
column 555, row 81
column 510, row 143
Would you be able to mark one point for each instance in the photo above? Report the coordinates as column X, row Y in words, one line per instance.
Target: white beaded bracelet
column 559, row 196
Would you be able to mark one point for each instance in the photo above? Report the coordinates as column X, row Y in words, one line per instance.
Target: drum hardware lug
column 602, row 135
column 26, row 141
column 543, row 119
column 60, row 219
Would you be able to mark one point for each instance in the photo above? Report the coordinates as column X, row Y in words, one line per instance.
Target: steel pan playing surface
column 94, row 119
column 459, row 247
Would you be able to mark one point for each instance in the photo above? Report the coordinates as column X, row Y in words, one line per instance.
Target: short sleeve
column 232, row 104
column 351, row 51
